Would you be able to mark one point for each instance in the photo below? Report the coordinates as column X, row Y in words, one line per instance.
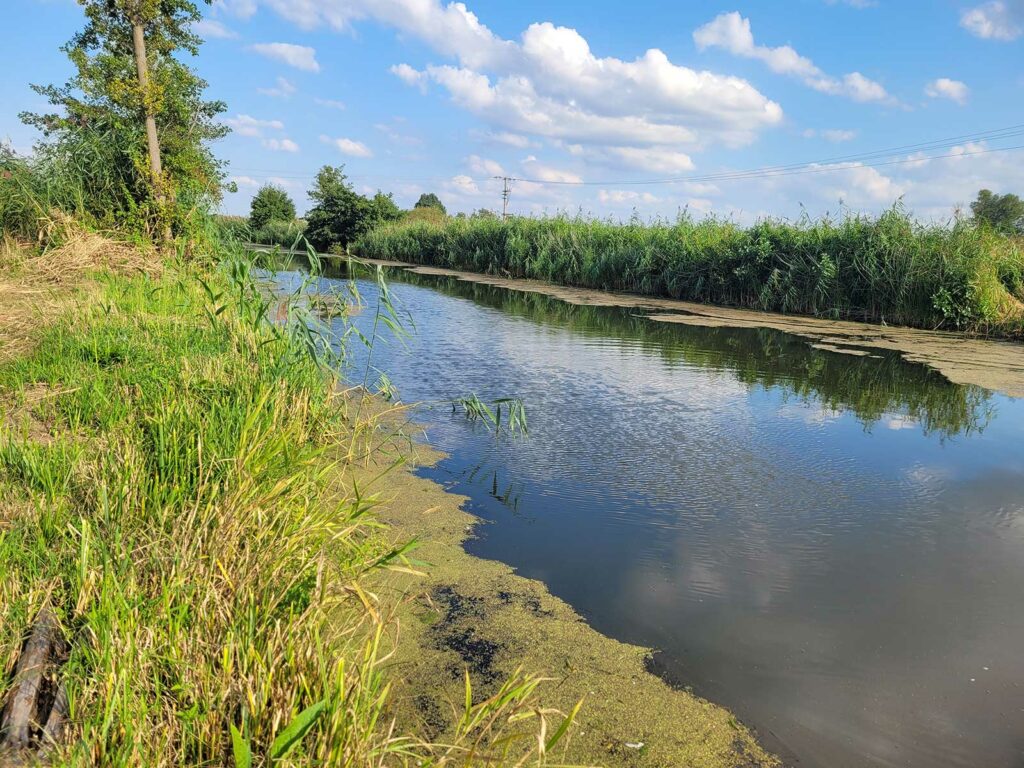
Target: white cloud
column 348, row 146
column 997, row 20
column 463, row 185
column 282, row 89
column 944, row 88
column 509, row 139
column 550, row 84
column 299, row 56
column 541, row 172
column 332, row 103
column 244, row 181
column 242, row 9
column 409, row 75
column 246, row 125
column 731, row 32
column 279, row 181
column 654, row 159
column 207, row 28
column 484, row 167
column 281, row 145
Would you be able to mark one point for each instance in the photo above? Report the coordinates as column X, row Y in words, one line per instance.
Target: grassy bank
column 169, row 463
column 889, row 269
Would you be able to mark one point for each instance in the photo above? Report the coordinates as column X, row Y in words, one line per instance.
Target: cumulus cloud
column 997, row 20
column 207, row 28
column 731, row 32
column 281, row 89
column 348, row 146
column 409, row 75
column 549, row 83
column 247, row 125
column 298, row 56
column 944, row 88
column 463, row 185
column 508, row 139
column 484, row 167
column 280, row 145
column 541, row 172
column 332, row 103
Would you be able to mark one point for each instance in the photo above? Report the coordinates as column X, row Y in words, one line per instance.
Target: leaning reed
column 887, row 269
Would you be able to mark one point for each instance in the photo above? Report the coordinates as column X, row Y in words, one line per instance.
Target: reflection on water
column 832, row 546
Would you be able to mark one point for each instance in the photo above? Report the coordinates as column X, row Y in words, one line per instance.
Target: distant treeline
column 888, row 269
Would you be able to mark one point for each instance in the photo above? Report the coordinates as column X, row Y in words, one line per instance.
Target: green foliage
column 269, row 204
column 1003, row 213
column 383, row 209
column 430, row 200
column 189, row 530
column 94, row 140
column 888, row 269
column 340, row 214
column 427, row 215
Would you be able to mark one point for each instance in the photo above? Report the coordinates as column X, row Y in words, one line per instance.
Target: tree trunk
column 152, row 140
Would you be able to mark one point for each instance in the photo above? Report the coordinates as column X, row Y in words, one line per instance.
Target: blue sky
column 421, row 95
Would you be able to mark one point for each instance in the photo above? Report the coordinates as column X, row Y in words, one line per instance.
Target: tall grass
column 180, row 516
column 889, row 269
column 286, row 234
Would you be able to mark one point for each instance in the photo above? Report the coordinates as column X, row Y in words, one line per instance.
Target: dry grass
column 38, row 285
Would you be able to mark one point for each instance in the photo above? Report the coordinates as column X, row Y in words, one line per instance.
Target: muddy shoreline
column 476, row 614
column 992, row 364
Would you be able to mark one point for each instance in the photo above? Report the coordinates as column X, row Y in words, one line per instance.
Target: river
column 832, row 546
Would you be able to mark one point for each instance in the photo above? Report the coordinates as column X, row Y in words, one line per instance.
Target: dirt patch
column 475, row 614
column 992, row 364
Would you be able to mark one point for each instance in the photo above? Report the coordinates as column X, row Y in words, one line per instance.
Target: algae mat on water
column 469, row 613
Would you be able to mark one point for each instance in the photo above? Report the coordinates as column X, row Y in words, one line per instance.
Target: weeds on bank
column 211, row 590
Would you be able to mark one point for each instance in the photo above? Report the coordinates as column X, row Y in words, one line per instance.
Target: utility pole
column 506, row 192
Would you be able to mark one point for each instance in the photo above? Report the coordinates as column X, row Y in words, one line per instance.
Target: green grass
column 888, row 269
column 182, row 516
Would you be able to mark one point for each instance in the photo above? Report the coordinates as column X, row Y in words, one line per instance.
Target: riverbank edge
column 466, row 612
column 997, row 365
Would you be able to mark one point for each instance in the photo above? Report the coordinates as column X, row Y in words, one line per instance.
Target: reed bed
column 889, row 269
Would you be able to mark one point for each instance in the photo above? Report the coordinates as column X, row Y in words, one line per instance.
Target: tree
column 1003, row 213
column 430, row 200
column 270, row 204
column 339, row 215
column 383, row 209
column 132, row 121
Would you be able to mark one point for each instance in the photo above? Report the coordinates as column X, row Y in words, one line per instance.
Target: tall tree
column 430, row 200
column 1004, row 213
column 270, row 203
column 139, row 111
column 339, row 214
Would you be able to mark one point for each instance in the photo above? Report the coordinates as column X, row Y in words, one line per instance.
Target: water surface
column 831, row 546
